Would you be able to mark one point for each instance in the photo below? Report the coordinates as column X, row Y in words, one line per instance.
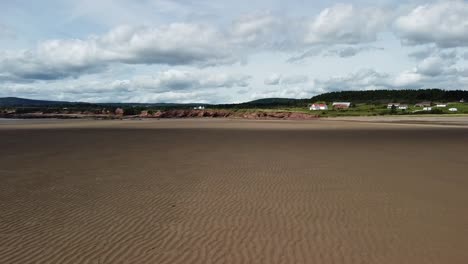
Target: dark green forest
column 388, row 96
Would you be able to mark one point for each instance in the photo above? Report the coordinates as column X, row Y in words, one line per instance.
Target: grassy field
column 372, row 110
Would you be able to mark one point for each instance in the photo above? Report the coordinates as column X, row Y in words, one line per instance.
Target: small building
column 341, row 105
column 318, row 107
column 453, row 109
column 462, row 100
column 427, row 109
column 119, row 112
column 441, row 105
column 201, row 107
column 423, row 104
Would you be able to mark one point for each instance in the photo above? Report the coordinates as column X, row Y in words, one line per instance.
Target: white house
column 427, row 109
column 453, row 110
column 318, row 107
column 403, row 107
column 341, row 105
column 441, row 105
column 199, row 107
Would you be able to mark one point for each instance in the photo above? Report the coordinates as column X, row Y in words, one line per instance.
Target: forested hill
column 267, row 103
column 21, row 102
column 387, row 96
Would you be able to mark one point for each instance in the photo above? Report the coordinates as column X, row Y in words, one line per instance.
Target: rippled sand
column 206, row 191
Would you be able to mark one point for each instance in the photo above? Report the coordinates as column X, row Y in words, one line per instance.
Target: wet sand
column 232, row 191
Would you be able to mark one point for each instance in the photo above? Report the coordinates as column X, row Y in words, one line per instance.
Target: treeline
column 267, row 103
column 388, row 96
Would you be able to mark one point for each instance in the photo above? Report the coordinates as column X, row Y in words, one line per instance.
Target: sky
column 150, row 51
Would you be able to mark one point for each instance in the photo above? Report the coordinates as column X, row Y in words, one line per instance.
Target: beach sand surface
column 232, row 191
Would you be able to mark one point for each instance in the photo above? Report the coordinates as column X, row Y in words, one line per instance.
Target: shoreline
column 324, row 124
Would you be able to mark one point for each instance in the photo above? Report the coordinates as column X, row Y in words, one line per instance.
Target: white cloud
column 201, row 42
column 174, row 44
column 443, row 23
column 346, row 24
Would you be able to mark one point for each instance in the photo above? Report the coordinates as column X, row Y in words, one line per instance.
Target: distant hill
column 389, row 96
column 268, row 103
column 372, row 97
column 21, row 102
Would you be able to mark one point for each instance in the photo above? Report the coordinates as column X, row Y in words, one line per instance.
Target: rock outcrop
column 232, row 114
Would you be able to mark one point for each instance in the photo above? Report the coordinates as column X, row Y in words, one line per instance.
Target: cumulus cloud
column 198, row 45
column 346, row 24
column 369, row 79
column 443, row 23
column 174, row 44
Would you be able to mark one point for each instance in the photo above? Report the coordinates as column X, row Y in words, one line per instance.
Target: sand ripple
column 233, row 196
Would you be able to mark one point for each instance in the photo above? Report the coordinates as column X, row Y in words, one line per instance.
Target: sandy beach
column 233, row 191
